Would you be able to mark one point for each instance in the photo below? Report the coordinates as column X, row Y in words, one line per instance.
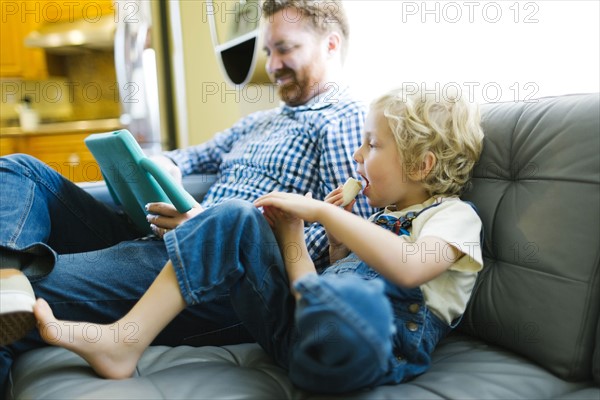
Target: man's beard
column 294, row 92
column 291, row 93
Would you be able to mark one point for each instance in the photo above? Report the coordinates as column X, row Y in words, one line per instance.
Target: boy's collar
column 415, row 207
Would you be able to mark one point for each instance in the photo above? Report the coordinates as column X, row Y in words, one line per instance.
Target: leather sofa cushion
column 596, row 366
column 463, row 368
column 537, row 189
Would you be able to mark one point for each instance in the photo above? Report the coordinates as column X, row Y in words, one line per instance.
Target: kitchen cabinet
column 66, row 153
column 60, row 146
column 19, row 18
column 8, row 145
column 16, row 60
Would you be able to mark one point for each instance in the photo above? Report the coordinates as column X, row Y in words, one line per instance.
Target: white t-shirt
column 456, row 223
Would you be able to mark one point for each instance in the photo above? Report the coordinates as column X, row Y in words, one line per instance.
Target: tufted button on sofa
column 532, row 328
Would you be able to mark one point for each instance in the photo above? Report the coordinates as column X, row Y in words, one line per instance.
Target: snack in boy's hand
column 350, row 190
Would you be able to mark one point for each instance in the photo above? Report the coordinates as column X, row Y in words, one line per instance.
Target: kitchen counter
column 87, row 126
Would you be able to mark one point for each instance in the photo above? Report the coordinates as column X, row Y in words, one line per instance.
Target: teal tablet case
column 132, row 178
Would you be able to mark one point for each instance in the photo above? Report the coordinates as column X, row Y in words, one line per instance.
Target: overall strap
column 399, row 225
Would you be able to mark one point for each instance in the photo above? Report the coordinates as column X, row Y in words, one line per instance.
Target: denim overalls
column 417, row 330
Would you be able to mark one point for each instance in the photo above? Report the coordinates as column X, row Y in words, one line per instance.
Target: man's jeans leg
column 43, row 213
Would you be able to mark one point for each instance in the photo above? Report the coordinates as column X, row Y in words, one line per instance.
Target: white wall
column 491, row 50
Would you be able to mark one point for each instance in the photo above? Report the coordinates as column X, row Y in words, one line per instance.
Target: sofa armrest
column 197, row 185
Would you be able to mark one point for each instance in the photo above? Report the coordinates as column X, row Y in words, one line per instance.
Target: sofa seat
column 463, row 368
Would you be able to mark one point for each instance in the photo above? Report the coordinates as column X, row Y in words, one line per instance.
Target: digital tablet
column 133, row 179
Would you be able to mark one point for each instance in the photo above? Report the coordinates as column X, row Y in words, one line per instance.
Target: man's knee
column 21, row 163
column 20, row 159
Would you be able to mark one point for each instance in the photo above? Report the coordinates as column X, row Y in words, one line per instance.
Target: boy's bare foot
column 111, row 350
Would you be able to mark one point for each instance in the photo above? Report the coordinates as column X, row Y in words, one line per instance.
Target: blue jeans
column 87, row 266
column 351, row 329
column 44, row 214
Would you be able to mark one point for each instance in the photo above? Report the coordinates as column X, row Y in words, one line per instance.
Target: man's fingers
column 160, row 232
column 167, row 210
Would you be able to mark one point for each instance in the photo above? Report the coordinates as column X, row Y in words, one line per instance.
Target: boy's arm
column 408, row 264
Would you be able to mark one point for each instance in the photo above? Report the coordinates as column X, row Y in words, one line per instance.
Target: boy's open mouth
column 364, row 182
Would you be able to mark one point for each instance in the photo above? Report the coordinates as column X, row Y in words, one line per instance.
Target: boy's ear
column 427, row 164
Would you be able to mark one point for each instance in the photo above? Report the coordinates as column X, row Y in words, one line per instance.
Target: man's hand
column 163, row 217
column 169, row 166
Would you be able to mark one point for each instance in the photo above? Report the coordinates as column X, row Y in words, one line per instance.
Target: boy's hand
column 298, row 206
column 284, row 225
column 336, row 197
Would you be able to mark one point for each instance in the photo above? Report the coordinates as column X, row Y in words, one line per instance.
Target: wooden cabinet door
column 11, row 38
column 8, row 145
column 18, row 19
column 66, row 154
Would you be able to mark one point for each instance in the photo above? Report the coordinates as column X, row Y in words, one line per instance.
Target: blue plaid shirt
column 300, row 149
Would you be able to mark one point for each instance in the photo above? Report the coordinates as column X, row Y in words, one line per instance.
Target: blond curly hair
column 448, row 126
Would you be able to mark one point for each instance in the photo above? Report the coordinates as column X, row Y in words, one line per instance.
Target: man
column 81, row 257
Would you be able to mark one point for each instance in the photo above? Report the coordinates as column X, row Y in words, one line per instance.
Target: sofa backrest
column 537, row 190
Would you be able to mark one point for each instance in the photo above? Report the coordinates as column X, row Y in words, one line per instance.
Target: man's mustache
column 283, row 73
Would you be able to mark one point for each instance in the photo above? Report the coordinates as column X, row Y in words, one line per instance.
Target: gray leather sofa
column 532, row 330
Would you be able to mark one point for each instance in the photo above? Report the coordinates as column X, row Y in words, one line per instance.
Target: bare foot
column 111, row 350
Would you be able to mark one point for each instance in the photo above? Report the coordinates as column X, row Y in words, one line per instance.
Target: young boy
column 397, row 284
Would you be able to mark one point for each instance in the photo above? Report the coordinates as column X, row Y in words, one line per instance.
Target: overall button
column 411, row 326
column 414, row 308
